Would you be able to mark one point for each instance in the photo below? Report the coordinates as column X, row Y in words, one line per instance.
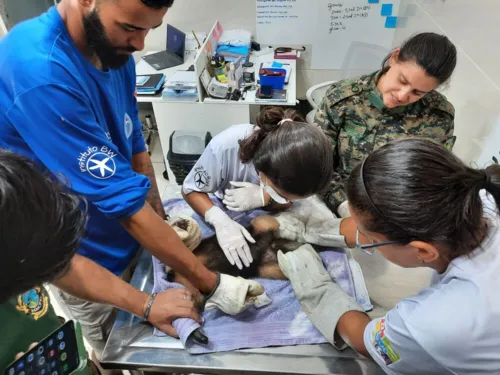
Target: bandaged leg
column 310, row 221
column 187, row 229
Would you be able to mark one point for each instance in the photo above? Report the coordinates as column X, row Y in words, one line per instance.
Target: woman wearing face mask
column 280, row 159
column 399, row 101
column 419, row 206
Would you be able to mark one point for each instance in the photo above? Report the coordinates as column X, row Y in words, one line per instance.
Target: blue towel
column 280, row 324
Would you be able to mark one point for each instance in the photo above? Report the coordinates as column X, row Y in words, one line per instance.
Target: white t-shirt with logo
column 220, row 164
column 452, row 327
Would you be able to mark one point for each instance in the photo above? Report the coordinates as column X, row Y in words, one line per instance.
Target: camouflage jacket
column 353, row 115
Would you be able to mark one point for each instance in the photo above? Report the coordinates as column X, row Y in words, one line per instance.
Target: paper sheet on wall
column 285, row 22
column 347, row 27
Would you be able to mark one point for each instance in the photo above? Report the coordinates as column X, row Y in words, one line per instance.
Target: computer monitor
column 176, row 41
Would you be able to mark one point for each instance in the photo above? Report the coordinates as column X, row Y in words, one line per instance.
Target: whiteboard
column 285, row 22
column 340, row 23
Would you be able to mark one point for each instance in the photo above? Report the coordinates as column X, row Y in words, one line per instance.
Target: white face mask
column 273, row 194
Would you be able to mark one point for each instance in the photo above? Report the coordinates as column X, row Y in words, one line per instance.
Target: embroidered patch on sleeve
column 34, row 302
column 382, row 344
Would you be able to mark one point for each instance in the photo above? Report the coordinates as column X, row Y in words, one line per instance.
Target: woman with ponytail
column 419, row 206
column 280, row 159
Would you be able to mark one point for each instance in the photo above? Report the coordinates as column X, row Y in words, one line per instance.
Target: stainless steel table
column 132, row 346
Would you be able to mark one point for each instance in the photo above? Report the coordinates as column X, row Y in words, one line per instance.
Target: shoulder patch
column 348, row 87
column 382, row 344
column 438, row 101
column 34, row 302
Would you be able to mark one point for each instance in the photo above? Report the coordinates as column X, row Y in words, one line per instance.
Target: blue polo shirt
column 80, row 123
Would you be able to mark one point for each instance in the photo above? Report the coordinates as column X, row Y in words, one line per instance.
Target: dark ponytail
column 417, row 190
column 492, row 183
column 296, row 156
column 267, row 122
column 434, row 53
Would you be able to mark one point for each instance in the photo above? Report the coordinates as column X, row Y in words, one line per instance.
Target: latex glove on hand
column 322, row 300
column 187, row 229
column 232, row 237
column 245, row 196
column 235, row 294
column 322, row 233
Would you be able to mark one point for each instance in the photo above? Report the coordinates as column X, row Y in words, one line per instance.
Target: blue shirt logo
column 101, row 166
column 128, row 126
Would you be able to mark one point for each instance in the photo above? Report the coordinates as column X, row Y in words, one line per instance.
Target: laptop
column 173, row 55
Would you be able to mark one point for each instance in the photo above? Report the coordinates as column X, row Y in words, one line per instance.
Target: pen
column 197, row 41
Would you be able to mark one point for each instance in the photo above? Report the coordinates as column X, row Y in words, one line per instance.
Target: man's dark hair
column 41, row 224
column 158, row 4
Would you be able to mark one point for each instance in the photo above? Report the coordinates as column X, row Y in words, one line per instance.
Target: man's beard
column 100, row 44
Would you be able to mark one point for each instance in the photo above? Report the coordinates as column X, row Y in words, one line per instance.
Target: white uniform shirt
column 452, row 327
column 220, row 164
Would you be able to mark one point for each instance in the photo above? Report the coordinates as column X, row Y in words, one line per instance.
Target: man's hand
column 170, row 305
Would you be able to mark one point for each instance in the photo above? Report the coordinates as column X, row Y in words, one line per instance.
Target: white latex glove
column 232, row 237
column 235, row 294
column 246, row 196
column 322, row 300
column 322, row 233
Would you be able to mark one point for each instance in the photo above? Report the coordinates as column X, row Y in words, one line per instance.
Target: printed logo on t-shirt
column 98, row 162
column 34, row 302
column 382, row 344
column 128, row 126
column 201, row 178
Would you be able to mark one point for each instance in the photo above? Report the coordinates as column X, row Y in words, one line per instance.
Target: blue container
column 277, row 82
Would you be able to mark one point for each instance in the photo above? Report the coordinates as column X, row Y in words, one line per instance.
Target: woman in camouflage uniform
column 363, row 113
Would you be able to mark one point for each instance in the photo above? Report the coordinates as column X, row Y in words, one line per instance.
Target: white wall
column 473, row 26
column 3, row 28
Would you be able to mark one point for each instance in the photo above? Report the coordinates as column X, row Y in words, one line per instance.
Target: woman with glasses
column 419, row 206
column 280, row 159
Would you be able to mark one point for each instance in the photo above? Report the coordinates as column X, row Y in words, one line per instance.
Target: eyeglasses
column 370, row 249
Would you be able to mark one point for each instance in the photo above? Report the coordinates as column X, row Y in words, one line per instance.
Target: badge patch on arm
column 128, row 125
column 98, row 162
column 201, row 178
column 382, row 344
column 34, row 302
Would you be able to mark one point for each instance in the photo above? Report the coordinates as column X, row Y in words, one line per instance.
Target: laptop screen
column 176, row 41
